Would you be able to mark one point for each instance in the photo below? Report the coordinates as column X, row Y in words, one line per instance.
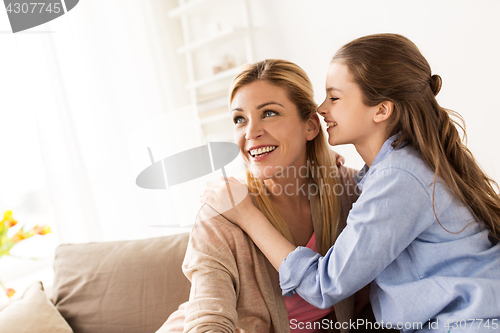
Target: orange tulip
column 45, row 230
column 41, row 230
column 36, row 229
column 19, row 236
column 10, row 292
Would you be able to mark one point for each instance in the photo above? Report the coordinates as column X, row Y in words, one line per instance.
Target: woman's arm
column 211, row 267
column 230, row 282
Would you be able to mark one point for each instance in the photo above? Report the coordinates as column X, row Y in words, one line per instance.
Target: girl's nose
column 321, row 110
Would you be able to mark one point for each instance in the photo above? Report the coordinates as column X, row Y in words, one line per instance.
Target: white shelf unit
column 218, row 37
column 213, row 78
column 186, row 7
column 217, row 41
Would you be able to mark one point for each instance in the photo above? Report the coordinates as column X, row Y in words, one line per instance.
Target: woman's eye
column 270, row 113
column 238, row 120
column 333, row 99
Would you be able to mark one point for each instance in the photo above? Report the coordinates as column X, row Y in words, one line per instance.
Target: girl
column 425, row 228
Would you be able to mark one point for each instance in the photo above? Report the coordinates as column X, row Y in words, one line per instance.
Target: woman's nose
column 254, row 130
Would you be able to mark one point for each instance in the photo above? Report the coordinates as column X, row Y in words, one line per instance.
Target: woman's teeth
column 262, row 150
column 331, row 124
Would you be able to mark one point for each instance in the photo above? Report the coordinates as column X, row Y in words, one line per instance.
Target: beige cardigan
column 234, row 288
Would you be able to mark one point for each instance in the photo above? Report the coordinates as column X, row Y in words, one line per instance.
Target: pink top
column 301, row 314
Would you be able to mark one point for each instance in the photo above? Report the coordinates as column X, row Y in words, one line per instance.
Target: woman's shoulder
column 210, row 225
column 215, row 240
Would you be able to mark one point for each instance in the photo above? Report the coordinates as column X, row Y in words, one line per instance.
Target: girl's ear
column 313, row 127
column 384, row 111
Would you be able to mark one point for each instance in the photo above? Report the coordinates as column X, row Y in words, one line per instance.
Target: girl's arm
column 269, row 240
column 393, row 209
column 244, row 214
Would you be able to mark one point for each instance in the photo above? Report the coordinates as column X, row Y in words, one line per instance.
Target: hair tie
column 435, row 83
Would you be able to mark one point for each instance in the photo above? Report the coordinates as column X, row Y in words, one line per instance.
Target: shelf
column 187, row 8
column 216, row 103
column 214, row 78
column 215, row 117
column 210, row 97
column 221, row 35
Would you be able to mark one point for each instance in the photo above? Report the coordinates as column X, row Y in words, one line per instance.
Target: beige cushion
column 124, row 286
column 33, row 312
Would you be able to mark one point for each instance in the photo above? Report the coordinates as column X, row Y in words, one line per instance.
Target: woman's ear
column 384, row 111
column 313, row 127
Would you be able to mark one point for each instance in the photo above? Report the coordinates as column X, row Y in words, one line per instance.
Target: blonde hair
column 298, row 87
column 390, row 67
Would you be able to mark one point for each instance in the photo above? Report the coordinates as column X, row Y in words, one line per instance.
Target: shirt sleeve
column 392, row 210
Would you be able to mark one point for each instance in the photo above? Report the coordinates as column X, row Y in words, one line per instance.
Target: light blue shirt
column 420, row 272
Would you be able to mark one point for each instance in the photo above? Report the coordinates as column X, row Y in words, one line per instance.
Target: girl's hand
column 234, row 204
column 339, row 159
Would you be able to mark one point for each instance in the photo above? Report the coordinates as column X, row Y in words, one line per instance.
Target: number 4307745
column 471, row 323
column 33, row 7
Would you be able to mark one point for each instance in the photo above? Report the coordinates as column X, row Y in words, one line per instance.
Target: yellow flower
column 7, row 217
column 10, row 292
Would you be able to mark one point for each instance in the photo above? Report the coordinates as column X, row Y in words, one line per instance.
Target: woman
column 291, row 176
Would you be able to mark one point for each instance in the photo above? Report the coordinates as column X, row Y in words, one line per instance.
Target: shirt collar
column 386, row 149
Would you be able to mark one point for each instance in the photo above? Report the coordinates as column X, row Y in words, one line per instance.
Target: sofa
column 107, row 287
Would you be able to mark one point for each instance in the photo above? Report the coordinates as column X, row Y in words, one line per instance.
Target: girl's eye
column 333, row 99
column 270, row 113
column 238, row 120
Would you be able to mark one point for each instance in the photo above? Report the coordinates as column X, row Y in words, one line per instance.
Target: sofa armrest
column 123, row 286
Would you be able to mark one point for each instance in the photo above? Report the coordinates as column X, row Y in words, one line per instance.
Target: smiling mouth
column 331, row 124
column 262, row 151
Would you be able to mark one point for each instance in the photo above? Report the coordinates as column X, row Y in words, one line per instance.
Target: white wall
column 458, row 38
column 125, row 74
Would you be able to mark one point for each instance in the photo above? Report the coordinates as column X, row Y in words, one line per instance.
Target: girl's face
column 348, row 119
column 268, row 129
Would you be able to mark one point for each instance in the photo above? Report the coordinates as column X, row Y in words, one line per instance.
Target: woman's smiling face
column 268, row 130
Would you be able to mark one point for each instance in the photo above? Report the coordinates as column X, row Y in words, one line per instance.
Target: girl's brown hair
column 298, row 87
column 389, row 67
